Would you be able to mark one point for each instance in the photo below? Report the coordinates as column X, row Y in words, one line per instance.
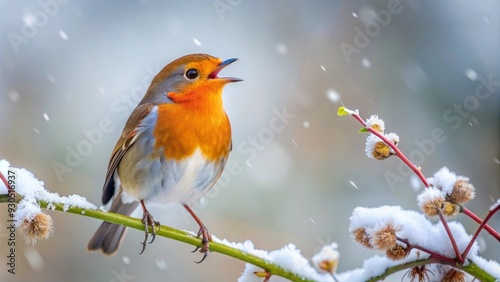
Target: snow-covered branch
column 408, row 238
column 29, row 196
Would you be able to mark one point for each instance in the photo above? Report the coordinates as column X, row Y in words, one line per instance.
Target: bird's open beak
column 213, row 74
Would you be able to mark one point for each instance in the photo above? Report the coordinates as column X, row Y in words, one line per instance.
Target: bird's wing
column 127, row 139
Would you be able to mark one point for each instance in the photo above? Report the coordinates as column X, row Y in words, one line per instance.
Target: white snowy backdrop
column 68, row 67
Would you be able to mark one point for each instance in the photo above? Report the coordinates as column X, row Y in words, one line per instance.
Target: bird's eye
column 191, row 74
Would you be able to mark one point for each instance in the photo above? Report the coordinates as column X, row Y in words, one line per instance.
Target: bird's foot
column 206, row 238
column 149, row 221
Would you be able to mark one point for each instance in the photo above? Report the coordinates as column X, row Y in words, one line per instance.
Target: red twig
column 358, row 117
column 396, row 149
column 437, row 256
column 4, row 180
column 450, row 235
column 420, row 175
column 401, row 156
column 486, row 227
column 481, row 226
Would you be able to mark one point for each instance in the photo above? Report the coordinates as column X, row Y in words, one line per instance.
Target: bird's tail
column 109, row 236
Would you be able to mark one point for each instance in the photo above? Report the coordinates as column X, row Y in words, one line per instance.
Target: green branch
column 175, row 234
column 479, row 273
column 399, row 267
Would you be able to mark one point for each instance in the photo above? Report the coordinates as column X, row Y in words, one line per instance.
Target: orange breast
column 183, row 127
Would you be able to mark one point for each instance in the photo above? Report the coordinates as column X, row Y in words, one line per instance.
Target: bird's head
column 190, row 78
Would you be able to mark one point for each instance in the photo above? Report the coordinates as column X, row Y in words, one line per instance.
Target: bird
column 172, row 150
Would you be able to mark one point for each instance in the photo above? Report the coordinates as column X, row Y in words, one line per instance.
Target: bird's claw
column 148, row 221
column 206, row 238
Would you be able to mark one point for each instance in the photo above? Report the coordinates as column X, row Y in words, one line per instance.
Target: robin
column 172, row 150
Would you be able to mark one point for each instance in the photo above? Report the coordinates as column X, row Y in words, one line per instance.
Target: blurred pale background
column 66, row 68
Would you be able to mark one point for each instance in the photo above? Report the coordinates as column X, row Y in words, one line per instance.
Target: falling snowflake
column 46, row 117
column 161, row 264
column 366, row 63
column 333, row 95
column 323, row 68
column 354, row 15
column 203, row 200
column 471, row 74
column 196, row 41
column 306, row 124
column 29, row 20
column 63, row 35
column 126, row 260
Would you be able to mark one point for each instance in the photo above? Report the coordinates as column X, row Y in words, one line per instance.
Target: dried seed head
column 419, row 273
column 453, row 275
column 361, row 237
column 327, row 259
column 381, row 151
column 462, row 192
column 39, row 227
column 329, row 266
column 385, row 238
column 376, row 149
column 450, row 209
column 393, row 137
column 376, row 123
column 378, row 128
column 431, row 208
column 397, row 252
column 431, row 201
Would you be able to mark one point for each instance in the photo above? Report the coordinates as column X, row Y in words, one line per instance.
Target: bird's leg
column 206, row 238
column 148, row 221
